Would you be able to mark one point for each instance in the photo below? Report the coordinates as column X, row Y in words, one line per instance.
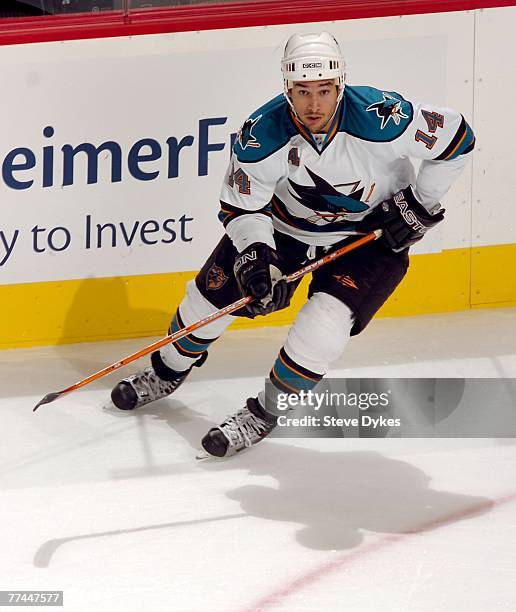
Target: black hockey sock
column 258, row 410
column 168, row 374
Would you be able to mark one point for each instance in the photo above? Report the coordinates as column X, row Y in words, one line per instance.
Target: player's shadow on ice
column 334, row 496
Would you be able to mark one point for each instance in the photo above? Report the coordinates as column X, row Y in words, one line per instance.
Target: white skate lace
column 244, row 429
column 149, row 386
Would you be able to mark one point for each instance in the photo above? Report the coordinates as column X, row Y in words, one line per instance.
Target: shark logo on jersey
column 388, row 108
column 246, row 138
column 329, row 204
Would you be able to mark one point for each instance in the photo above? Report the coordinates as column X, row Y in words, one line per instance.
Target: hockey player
column 311, row 169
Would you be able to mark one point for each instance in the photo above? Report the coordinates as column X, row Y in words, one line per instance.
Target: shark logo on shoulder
column 388, row 108
column 246, row 138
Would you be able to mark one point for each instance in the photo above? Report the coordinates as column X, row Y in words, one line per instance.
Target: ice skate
column 153, row 383
column 246, row 427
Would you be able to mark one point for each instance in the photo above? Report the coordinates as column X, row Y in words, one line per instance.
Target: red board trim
column 220, row 16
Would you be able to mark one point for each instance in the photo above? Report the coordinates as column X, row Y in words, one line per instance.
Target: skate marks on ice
column 190, row 424
column 333, row 496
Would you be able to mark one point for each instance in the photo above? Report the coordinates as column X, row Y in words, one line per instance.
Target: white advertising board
column 494, row 179
column 113, row 150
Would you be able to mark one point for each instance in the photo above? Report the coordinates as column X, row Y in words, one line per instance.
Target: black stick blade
column 50, row 397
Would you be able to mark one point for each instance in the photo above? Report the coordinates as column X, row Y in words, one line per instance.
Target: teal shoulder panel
column 375, row 115
column 266, row 131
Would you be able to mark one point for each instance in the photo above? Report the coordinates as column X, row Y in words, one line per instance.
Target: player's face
column 314, row 103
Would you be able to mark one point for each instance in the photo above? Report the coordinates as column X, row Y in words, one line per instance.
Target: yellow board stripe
column 86, row 310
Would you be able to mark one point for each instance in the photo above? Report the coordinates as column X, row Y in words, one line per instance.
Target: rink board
column 140, row 306
column 102, row 243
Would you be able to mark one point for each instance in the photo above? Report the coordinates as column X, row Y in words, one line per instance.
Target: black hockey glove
column 258, row 274
column 403, row 220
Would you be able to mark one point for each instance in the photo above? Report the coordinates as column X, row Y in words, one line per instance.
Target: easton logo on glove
column 407, row 214
column 403, row 220
column 258, row 274
column 245, row 258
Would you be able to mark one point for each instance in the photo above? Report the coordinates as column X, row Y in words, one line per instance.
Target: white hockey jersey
column 318, row 188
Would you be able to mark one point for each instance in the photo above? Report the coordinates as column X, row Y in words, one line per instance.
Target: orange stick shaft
column 213, row 317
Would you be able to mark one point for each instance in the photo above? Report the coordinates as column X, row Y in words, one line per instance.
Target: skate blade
column 111, row 409
column 202, row 455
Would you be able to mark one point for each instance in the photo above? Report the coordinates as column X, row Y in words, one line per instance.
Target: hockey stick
column 50, row 397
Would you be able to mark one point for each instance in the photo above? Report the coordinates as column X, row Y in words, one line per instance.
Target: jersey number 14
column 433, row 120
column 240, row 179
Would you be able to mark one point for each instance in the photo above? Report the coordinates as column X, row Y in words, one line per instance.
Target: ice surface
column 112, row 507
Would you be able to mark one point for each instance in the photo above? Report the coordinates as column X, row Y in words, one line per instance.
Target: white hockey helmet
column 312, row 57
